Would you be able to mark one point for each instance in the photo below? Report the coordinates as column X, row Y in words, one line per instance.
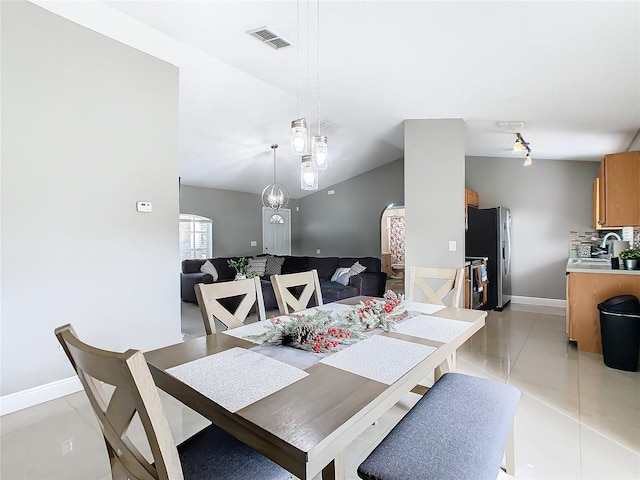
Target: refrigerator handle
column 506, row 249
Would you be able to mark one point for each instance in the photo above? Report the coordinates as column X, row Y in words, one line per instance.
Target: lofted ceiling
column 569, row 70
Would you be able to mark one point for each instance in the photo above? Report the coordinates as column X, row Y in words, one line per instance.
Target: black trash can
column 620, row 329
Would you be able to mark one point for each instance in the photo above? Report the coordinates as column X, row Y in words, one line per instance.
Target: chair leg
column 510, row 453
column 449, row 365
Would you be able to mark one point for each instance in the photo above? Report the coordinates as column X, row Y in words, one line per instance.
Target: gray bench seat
column 458, row 430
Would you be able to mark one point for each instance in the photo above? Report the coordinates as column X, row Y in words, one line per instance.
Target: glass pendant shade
column 319, row 151
column 517, row 146
column 299, row 141
column 275, row 196
column 308, row 173
column 527, row 161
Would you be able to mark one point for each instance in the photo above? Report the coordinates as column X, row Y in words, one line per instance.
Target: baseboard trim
column 36, row 395
column 544, row 302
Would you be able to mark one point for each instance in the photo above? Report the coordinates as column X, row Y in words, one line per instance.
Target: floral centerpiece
column 324, row 330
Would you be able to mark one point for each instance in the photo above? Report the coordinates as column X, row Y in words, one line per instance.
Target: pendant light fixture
column 308, row 173
column 275, row 196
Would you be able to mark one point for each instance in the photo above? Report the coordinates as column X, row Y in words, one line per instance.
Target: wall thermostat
column 143, row 207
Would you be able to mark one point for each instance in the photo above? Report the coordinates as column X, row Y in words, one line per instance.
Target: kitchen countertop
column 590, row 265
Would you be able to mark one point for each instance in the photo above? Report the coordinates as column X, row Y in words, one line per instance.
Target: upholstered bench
column 458, row 430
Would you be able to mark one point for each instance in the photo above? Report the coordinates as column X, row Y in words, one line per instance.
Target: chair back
column 135, row 392
column 424, row 277
column 209, row 296
column 284, row 285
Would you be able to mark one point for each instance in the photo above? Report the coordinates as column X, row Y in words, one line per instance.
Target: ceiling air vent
column 270, row 38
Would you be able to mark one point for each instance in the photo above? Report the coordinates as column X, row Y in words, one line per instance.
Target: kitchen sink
column 591, row 261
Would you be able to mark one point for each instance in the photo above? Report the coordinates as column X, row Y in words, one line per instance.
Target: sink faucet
column 606, row 237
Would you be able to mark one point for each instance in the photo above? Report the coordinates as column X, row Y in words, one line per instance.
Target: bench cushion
column 458, row 430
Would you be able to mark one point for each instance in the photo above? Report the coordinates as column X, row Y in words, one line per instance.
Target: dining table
column 301, row 408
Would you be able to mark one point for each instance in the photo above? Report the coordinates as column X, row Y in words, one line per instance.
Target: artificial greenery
column 630, row 254
column 324, row 330
column 240, row 265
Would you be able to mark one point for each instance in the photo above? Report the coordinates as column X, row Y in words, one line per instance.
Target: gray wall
column 236, row 216
column 547, row 201
column 434, row 180
column 89, row 127
column 348, row 222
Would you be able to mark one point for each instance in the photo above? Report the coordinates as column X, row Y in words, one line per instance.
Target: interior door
column 276, row 231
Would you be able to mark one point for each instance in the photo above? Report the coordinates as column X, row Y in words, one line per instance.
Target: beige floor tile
column 604, row 458
column 547, row 441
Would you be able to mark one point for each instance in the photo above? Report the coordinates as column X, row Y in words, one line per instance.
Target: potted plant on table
column 240, row 266
column 631, row 258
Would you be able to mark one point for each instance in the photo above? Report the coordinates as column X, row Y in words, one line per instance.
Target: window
column 196, row 239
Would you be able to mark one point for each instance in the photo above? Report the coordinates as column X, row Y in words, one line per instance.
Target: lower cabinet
column 584, row 292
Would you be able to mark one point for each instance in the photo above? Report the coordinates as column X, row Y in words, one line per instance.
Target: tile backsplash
column 577, row 237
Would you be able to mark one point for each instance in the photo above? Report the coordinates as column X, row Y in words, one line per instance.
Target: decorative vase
column 631, row 264
column 240, row 276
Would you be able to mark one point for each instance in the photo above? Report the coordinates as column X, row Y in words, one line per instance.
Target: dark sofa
column 371, row 282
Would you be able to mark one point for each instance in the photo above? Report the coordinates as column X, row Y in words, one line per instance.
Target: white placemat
column 380, row 358
column 255, row 328
column 432, row 328
column 423, row 307
column 236, row 377
column 332, row 307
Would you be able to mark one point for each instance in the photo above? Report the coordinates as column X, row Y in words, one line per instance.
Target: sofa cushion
column 274, row 265
column 357, row 269
column 294, row 265
column 225, row 272
column 192, row 265
column 256, row 266
column 339, row 271
column 207, row 267
column 325, row 266
column 333, row 291
column 373, row 264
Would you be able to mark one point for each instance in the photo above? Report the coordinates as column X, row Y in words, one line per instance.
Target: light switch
column 254, row 243
column 452, row 245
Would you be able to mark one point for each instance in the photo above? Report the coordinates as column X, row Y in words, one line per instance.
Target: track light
column 521, row 145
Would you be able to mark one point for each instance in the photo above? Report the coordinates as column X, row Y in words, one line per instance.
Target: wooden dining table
column 306, row 425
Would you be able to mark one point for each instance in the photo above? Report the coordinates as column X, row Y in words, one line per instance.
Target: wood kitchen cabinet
column 616, row 192
column 584, row 292
column 470, row 198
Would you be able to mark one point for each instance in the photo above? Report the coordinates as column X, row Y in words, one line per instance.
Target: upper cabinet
column 616, row 192
column 470, row 198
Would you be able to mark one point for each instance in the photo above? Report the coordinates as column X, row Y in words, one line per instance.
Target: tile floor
column 577, row 418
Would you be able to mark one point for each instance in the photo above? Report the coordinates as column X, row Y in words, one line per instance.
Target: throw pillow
column 256, row 266
column 344, row 278
column 208, row 267
column 339, row 271
column 274, row 265
column 356, row 268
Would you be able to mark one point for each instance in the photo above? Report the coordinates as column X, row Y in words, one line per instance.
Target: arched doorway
column 392, row 245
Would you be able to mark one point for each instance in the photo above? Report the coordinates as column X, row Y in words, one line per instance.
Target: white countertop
column 587, row 265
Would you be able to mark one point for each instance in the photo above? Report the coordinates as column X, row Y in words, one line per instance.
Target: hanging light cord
column 309, row 61
column 318, row 61
column 275, row 178
column 298, row 54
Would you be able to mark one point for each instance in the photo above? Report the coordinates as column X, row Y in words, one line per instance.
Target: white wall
column 434, row 192
column 89, row 126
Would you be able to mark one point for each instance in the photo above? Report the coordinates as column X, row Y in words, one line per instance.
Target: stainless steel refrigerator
column 489, row 235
